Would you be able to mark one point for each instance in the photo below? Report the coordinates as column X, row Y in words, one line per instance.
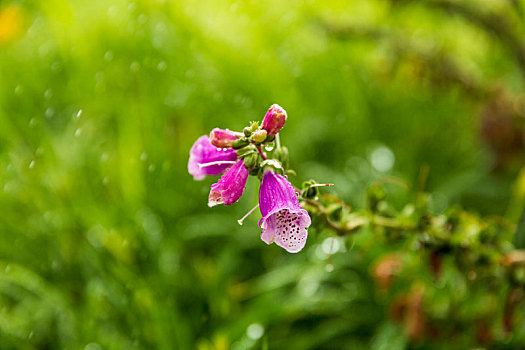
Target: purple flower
column 230, row 186
column 284, row 221
column 206, row 159
column 222, row 138
column 274, row 120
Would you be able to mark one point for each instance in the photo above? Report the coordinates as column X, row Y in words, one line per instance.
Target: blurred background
column 106, row 242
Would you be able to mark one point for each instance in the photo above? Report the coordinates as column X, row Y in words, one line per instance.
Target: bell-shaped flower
column 230, row 186
column 284, row 221
column 274, row 120
column 206, row 159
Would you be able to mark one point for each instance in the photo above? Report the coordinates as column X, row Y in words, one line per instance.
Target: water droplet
column 329, row 268
column 48, row 94
column 79, row 113
column 92, row 346
column 112, row 11
column 160, row 27
column 78, row 132
column 255, row 331
column 32, row 164
column 151, row 168
column 134, row 66
column 382, row 158
column 99, row 77
column 190, row 74
column 161, row 66
column 331, row 245
column 143, row 156
column 108, row 56
column 55, row 66
column 19, row 89
column 49, row 112
column 217, row 97
column 269, row 146
column 32, row 122
column 142, row 18
column 43, row 50
column 30, row 335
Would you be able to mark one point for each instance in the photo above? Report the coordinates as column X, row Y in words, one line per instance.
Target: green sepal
column 290, row 172
column 250, row 160
column 270, row 165
column 254, row 126
column 243, row 152
column 240, row 143
column 307, row 191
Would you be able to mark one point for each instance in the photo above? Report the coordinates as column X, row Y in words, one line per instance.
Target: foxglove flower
column 284, row 221
column 203, row 153
column 222, row 138
column 230, row 186
column 274, row 120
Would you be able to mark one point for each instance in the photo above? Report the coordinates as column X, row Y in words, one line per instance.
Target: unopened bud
column 222, row 138
column 259, row 136
column 251, row 160
column 240, row 143
column 247, row 131
column 244, row 151
column 274, row 120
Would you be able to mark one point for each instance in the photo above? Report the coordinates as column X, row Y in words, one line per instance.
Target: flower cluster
column 236, row 155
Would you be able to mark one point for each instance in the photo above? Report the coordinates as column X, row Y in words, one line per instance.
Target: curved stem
column 261, row 152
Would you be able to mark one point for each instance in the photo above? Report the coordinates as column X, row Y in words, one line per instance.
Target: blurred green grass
column 107, row 242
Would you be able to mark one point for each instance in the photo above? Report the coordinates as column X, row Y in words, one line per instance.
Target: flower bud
column 259, row 136
column 250, row 160
column 274, row 120
column 222, row 138
column 244, row 151
column 240, row 143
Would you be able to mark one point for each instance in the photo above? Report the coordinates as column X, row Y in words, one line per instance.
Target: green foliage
column 107, row 243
